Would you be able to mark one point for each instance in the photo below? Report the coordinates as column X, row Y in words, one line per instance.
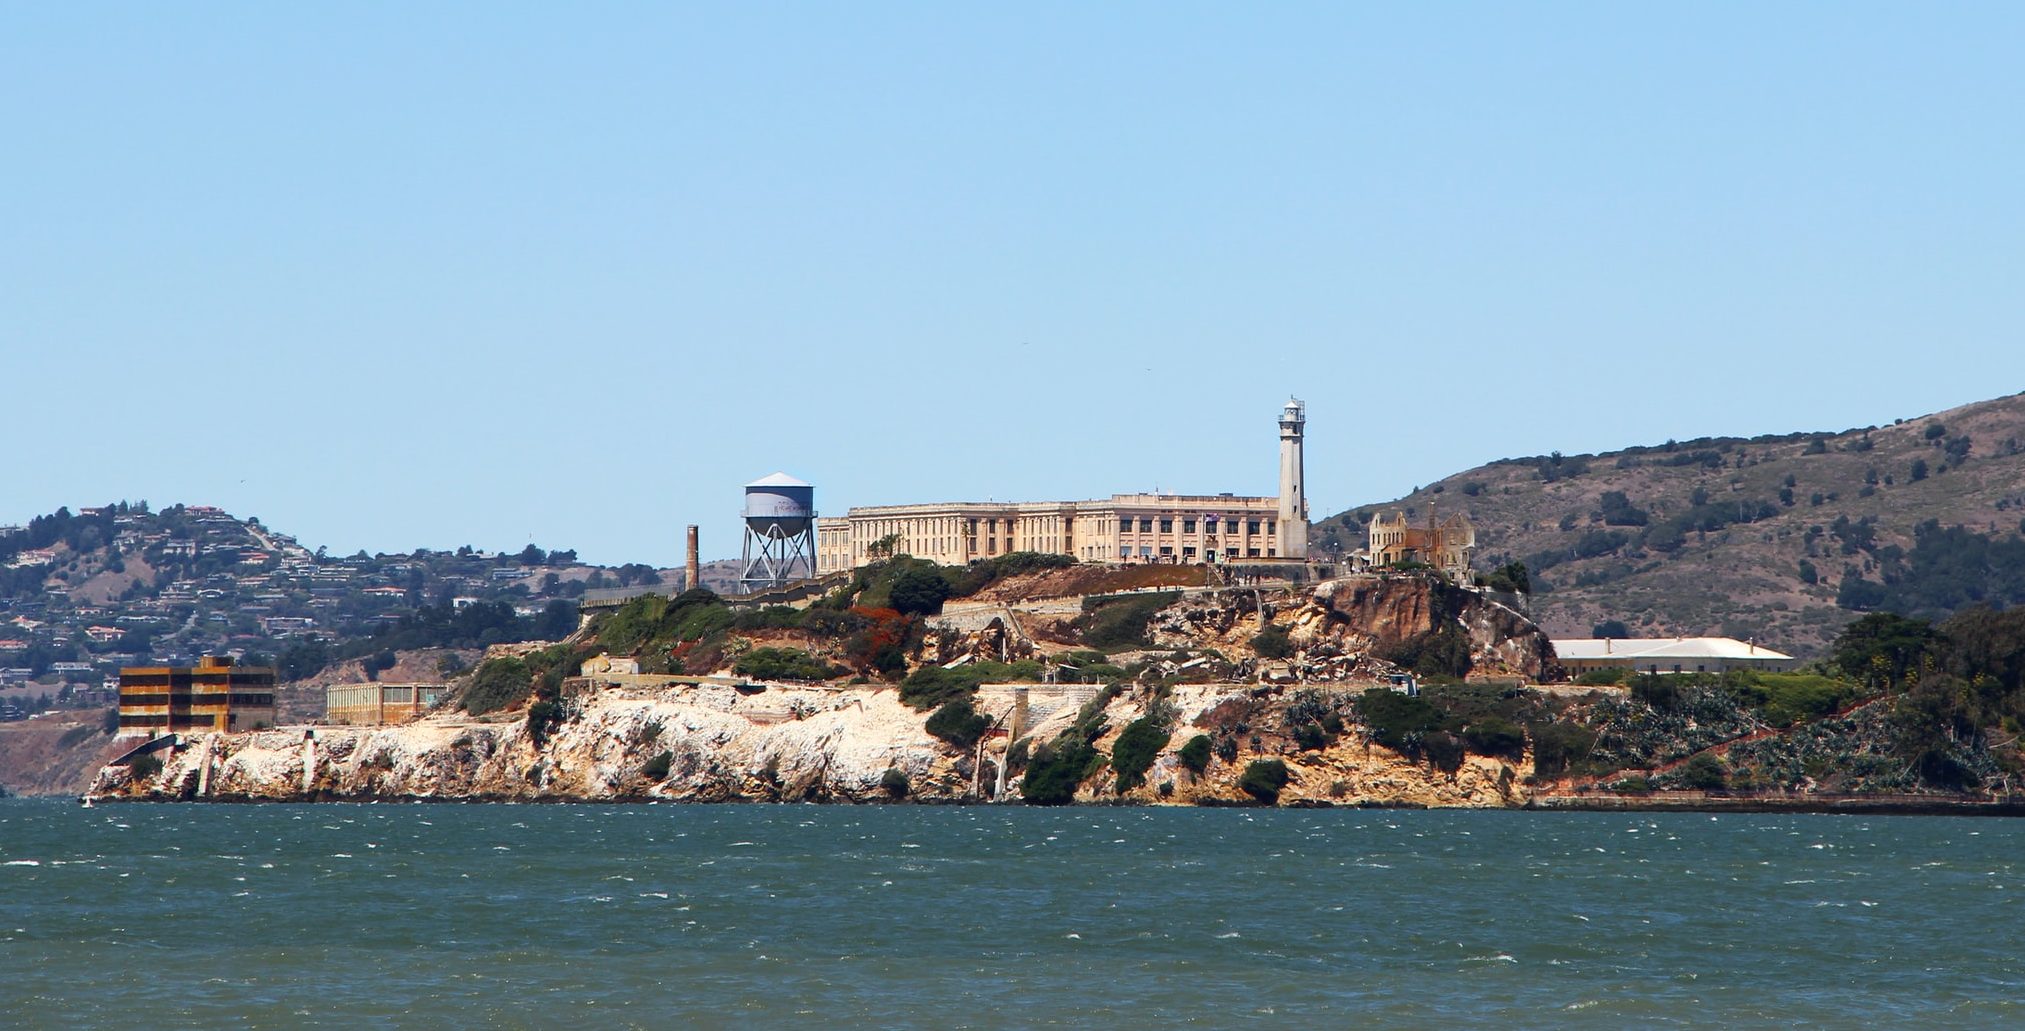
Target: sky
column 390, row 276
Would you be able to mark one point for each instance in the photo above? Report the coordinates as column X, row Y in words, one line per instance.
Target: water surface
column 651, row 916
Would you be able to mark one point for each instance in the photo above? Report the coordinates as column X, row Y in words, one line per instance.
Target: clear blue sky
column 401, row 275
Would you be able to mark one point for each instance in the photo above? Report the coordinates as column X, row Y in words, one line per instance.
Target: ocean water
column 592, row 916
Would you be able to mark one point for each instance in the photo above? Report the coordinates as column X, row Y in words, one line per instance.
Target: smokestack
column 693, row 572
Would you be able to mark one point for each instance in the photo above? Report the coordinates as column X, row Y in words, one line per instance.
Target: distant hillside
column 1780, row 538
column 83, row 593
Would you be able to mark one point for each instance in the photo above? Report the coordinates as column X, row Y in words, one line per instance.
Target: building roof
column 778, row 480
column 1670, row 648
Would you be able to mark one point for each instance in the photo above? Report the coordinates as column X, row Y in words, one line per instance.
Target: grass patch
column 1121, row 622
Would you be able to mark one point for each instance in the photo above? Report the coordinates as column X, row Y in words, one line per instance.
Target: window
column 1188, row 553
column 1251, row 553
column 1188, row 526
column 1145, row 552
column 1124, row 552
column 1167, row 526
column 1166, row 551
column 1251, row 526
column 1145, row 526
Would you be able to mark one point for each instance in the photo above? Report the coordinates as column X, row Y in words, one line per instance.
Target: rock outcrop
column 712, row 743
column 646, row 737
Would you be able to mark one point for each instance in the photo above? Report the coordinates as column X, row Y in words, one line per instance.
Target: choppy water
column 544, row 916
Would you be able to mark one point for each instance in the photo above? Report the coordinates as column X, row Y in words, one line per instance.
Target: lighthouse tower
column 1293, row 482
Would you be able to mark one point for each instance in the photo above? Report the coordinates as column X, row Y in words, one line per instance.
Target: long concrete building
column 1167, row 528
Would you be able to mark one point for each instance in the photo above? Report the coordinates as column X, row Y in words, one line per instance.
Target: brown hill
column 1720, row 535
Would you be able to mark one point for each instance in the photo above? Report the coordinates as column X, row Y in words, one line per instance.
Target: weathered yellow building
column 1168, row 528
column 214, row 695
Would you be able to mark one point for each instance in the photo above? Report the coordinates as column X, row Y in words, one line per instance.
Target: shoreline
column 1847, row 805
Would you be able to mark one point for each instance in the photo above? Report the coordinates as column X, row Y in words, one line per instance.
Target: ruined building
column 1447, row 545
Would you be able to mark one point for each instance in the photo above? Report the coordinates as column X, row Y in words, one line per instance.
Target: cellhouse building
column 1168, row 528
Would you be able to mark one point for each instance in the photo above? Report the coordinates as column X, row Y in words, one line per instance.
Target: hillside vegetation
column 1784, row 539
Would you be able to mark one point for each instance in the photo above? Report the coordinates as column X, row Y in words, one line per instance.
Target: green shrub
column 958, row 724
column 1398, row 721
column 1443, row 750
column 499, row 684
column 1195, row 754
column 1494, row 736
column 1602, row 677
column 1633, row 786
column 657, row 767
column 1272, row 643
column 780, row 664
column 1136, row 748
column 933, row 686
column 1704, row 772
column 543, row 717
column 1056, row 770
column 145, row 767
column 894, row 783
column 1558, row 747
column 1784, row 699
column 1311, row 737
column 1660, row 691
column 1441, row 652
column 1264, row 779
column 917, row 591
column 1120, row 622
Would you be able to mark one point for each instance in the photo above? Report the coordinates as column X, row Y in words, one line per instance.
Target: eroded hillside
column 1784, row 539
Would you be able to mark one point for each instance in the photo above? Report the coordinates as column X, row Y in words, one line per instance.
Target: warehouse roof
column 1670, row 648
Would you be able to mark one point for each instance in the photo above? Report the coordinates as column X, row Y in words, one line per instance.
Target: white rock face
column 724, row 743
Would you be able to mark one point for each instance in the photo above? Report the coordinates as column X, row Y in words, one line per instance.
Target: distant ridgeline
column 1780, row 538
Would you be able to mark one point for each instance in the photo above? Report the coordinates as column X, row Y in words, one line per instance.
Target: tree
column 1511, row 577
column 1136, row 748
column 1264, row 779
column 1704, row 772
column 1881, row 649
column 1195, row 754
column 1919, row 470
column 1057, row 769
column 1611, row 628
column 1619, row 511
column 918, row 591
column 958, row 724
column 532, row 556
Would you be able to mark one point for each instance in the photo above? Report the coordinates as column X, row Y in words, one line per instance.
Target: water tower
column 780, row 532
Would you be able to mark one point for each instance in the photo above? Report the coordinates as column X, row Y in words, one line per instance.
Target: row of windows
column 177, row 721
column 1188, row 554
column 1188, row 526
column 239, row 699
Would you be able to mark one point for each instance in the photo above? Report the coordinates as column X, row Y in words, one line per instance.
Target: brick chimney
column 693, row 571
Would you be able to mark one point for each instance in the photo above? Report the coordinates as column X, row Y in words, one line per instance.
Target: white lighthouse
column 1293, row 482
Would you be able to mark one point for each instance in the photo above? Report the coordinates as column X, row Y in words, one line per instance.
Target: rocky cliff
column 715, row 743
column 699, row 739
